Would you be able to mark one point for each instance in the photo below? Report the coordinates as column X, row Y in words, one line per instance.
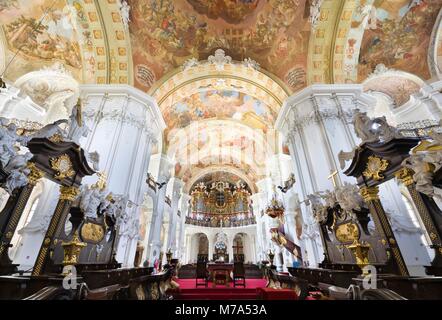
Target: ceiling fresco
column 345, row 45
column 220, row 104
column 398, row 88
column 166, row 33
column 42, row 31
column 398, row 35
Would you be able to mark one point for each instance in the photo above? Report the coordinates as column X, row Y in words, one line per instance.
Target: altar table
column 223, row 269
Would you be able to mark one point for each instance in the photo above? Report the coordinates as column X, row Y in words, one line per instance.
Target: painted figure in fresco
column 399, row 37
column 176, row 31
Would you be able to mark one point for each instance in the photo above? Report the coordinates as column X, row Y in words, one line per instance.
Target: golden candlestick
column 72, row 250
column 360, row 251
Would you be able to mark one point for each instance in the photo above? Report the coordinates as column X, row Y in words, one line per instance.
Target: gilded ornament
column 63, row 167
column 375, row 166
column 405, row 175
column 9, row 235
column 47, row 241
column 72, row 250
column 69, row 193
column 347, row 232
column 139, row 291
column 154, row 292
column 92, row 232
column 56, row 138
column 433, row 236
column 370, row 193
column 360, row 251
column 35, row 174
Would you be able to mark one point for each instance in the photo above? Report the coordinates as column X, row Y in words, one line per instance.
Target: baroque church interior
column 226, row 149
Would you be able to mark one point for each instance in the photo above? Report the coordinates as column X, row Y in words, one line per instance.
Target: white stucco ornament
column 53, row 88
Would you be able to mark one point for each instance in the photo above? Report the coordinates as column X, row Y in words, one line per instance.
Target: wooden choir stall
column 85, row 251
column 349, row 245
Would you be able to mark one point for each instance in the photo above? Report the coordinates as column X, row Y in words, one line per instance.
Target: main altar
column 220, row 273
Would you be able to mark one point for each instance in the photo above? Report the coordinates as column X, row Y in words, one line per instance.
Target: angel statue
column 18, row 172
column 373, row 130
column 51, row 130
column 349, row 198
column 113, row 205
column 17, row 178
column 90, row 200
column 8, row 140
column 422, row 176
column 318, row 208
column 125, row 12
column 77, row 127
column 288, row 184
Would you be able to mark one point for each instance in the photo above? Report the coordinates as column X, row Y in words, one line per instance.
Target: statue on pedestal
column 373, row 130
column 77, row 127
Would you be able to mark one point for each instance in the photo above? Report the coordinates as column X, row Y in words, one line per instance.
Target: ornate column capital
column 405, row 175
column 35, row 174
column 69, row 193
column 370, row 193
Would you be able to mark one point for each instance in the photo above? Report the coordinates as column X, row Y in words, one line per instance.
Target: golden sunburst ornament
column 375, row 166
column 63, row 167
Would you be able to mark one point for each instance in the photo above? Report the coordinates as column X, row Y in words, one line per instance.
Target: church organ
column 220, row 204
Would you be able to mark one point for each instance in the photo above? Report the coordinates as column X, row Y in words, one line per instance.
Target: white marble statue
column 50, row 130
column 90, row 200
column 17, row 162
column 329, row 198
column 318, row 209
column 16, row 179
column 93, row 158
column 77, row 127
column 9, row 141
column 349, row 198
column 345, row 156
column 373, row 130
column 423, row 177
column 124, row 12
column 113, row 205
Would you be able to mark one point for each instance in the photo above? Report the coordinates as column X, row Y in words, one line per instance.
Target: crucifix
column 238, row 248
column 332, row 176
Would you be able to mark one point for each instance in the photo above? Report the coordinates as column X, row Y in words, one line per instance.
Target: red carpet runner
column 188, row 291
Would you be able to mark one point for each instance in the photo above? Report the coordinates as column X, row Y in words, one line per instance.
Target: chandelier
column 275, row 209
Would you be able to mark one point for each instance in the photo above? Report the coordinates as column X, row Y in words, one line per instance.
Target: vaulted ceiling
column 292, row 46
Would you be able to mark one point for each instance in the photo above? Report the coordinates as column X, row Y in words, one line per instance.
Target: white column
column 315, row 123
column 211, row 238
column 124, row 124
column 181, row 237
column 177, row 186
column 230, row 245
column 258, row 240
column 160, row 170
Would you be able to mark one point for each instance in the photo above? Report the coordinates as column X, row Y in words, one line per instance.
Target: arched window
column 31, row 211
column 413, row 214
column 24, row 220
